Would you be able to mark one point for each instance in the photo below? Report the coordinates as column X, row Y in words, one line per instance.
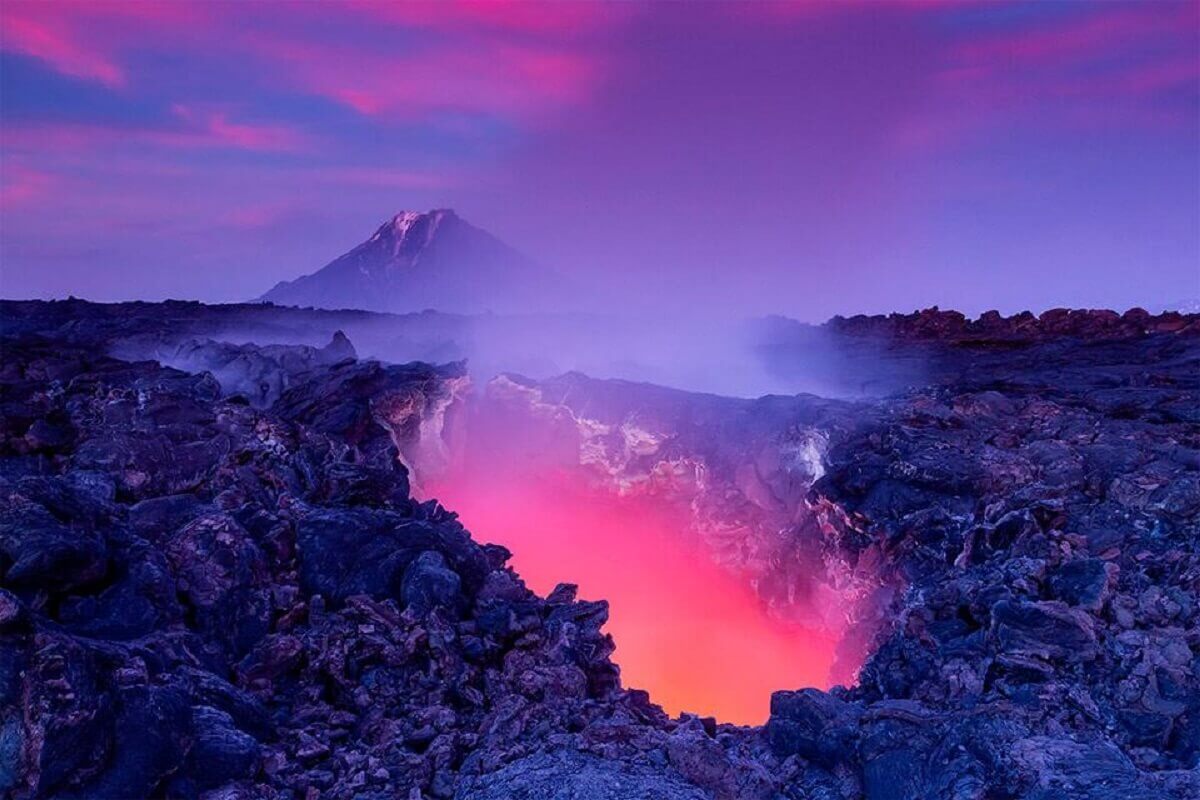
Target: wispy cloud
column 59, row 46
column 506, row 58
column 207, row 131
column 88, row 39
column 20, row 185
column 1099, row 32
column 509, row 81
column 1101, row 67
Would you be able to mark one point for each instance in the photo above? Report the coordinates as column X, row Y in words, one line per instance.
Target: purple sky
column 798, row 158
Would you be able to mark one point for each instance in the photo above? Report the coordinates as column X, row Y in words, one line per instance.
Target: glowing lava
column 686, row 630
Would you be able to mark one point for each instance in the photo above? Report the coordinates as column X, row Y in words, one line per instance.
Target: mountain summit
column 425, row 260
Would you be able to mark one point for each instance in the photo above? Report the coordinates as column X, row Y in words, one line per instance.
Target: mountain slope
column 420, row 260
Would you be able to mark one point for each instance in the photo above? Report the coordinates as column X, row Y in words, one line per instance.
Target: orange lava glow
column 686, row 630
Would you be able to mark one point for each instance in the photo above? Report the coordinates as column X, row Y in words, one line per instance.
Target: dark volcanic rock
column 346, row 553
column 1084, row 582
column 992, row 328
column 574, row 776
column 220, row 753
column 39, row 550
column 813, row 724
column 1049, row 630
column 430, row 584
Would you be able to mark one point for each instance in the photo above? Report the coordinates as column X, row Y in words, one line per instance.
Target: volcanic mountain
column 416, row 261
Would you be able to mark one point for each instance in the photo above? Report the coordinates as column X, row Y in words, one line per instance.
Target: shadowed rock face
column 260, row 374
column 204, row 597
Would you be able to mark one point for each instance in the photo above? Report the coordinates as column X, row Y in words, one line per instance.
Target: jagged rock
column 222, row 575
column 11, row 611
column 898, row 738
column 39, row 550
column 260, row 374
column 220, row 753
column 46, row 436
column 1049, row 630
column 574, row 776
column 140, row 599
column 1059, row 767
column 952, row 326
column 155, row 733
column 69, row 714
column 344, row 553
column 812, row 724
column 1084, row 582
column 429, row 583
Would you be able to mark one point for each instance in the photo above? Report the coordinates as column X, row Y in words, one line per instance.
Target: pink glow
column 686, row 630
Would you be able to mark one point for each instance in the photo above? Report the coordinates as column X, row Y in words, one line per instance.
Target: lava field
column 234, row 570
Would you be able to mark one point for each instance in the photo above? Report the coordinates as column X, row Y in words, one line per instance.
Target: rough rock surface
column 201, row 597
column 260, row 374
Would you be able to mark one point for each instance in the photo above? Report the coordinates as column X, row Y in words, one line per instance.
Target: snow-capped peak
column 400, row 228
column 421, row 259
column 404, row 220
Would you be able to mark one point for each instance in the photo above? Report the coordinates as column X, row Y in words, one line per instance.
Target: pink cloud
column 990, row 85
column 87, row 39
column 1159, row 75
column 510, row 58
column 1103, row 69
column 1096, row 35
column 257, row 217
column 210, row 130
column 56, row 45
column 539, row 18
column 477, row 77
column 216, row 129
column 22, row 186
column 777, row 10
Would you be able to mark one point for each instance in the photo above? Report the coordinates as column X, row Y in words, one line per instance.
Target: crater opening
column 719, row 592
